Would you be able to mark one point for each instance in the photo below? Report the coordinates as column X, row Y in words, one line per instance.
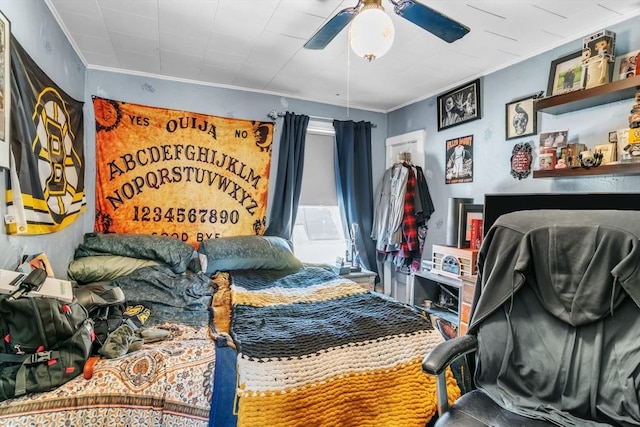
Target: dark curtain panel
column 355, row 185
column 289, row 176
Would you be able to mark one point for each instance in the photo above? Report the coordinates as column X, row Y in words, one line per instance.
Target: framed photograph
column 459, row 105
column 521, row 118
column 467, row 213
column 626, row 65
column 566, row 74
column 609, row 152
column 556, row 139
column 459, row 160
column 5, row 90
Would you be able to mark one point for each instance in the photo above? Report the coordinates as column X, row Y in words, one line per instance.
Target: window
column 318, row 235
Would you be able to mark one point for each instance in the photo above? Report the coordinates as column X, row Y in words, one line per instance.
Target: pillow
column 104, row 268
column 168, row 250
column 247, row 253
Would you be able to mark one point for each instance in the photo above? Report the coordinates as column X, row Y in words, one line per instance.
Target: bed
column 257, row 338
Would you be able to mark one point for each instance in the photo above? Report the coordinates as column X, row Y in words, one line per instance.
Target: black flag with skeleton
column 46, row 188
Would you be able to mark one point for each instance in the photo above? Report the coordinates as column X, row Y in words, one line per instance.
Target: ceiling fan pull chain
column 348, row 75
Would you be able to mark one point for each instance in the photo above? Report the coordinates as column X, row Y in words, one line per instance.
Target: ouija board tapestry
column 182, row 174
column 46, row 185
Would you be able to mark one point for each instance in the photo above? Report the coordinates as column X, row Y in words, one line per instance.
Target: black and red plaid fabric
column 409, row 222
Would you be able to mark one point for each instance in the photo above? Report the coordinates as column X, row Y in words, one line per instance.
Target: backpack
column 44, row 343
column 105, row 306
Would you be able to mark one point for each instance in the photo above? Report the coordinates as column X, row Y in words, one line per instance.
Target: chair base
column 476, row 409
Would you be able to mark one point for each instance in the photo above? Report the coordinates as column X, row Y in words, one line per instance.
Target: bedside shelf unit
column 586, row 98
column 426, row 285
column 365, row 278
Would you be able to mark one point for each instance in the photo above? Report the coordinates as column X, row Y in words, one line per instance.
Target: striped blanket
column 316, row 349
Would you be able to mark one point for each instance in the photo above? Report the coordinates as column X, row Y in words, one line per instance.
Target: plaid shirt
column 409, row 222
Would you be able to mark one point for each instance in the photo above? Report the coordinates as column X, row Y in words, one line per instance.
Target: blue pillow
column 247, row 253
column 168, row 250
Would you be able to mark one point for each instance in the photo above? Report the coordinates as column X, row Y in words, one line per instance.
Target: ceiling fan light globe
column 371, row 33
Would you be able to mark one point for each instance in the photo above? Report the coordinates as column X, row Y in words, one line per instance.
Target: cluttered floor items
column 50, row 329
column 124, row 341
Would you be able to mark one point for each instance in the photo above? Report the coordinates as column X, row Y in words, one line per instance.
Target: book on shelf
column 476, row 234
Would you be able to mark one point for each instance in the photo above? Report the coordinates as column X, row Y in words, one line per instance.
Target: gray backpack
column 45, row 342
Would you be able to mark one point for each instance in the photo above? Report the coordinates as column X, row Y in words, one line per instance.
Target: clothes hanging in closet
column 402, row 208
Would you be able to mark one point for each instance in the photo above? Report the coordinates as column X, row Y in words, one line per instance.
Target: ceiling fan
column 425, row 17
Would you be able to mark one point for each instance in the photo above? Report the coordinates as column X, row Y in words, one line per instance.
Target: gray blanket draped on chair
column 583, row 361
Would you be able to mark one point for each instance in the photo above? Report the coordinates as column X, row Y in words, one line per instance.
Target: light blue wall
column 38, row 32
column 219, row 102
column 492, row 152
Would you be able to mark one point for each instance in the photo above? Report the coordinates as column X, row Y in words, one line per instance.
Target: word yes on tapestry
column 182, row 174
column 46, row 186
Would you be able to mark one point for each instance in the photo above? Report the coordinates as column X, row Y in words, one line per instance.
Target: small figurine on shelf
column 597, row 54
column 355, row 257
column 589, row 159
column 634, row 117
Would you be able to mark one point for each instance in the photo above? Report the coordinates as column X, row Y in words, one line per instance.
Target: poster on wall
column 459, row 160
column 182, row 174
column 46, row 179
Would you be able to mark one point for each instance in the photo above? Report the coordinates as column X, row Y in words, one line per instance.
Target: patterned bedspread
column 315, row 349
column 167, row 383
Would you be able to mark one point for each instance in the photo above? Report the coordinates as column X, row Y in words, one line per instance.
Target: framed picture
column 555, row 139
column 467, row 213
column 521, row 118
column 5, row 90
column 566, row 74
column 626, row 65
column 459, row 160
column 609, row 152
column 459, row 105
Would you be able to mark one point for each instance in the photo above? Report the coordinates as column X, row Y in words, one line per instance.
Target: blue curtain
column 355, row 185
column 289, row 176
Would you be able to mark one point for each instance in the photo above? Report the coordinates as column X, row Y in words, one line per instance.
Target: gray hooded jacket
column 557, row 315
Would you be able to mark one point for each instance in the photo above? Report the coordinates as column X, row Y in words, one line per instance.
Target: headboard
column 498, row 204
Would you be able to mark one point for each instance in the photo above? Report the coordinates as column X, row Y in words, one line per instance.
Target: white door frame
column 413, row 143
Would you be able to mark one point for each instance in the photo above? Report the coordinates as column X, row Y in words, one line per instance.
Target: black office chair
column 555, row 327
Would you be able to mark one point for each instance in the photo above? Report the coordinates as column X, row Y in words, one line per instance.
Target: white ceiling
column 258, row 44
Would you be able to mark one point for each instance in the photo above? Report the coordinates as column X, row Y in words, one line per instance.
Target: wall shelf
column 586, row 98
column 617, row 169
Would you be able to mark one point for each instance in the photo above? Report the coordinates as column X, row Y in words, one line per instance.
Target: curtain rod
column 273, row 115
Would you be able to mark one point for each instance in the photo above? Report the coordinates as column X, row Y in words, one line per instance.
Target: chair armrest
column 437, row 360
column 444, row 353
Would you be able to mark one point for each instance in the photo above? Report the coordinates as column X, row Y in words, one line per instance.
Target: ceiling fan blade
column 431, row 20
column 331, row 29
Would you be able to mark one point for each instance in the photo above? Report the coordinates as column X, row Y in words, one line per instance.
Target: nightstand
column 364, row 278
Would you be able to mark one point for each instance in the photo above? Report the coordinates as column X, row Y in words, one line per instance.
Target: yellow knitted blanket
column 315, row 349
